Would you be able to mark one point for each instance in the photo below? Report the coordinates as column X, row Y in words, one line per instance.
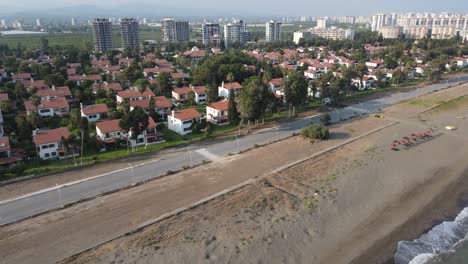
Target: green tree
column 141, row 85
column 136, row 121
column 295, row 88
column 191, row 97
column 254, row 99
column 152, row 109
column 164, row 83
column 212, row 92
column 233, row 114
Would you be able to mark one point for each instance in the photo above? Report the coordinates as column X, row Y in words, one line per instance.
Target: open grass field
column 77, row 39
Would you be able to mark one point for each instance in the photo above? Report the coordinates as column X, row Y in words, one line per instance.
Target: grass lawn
column 460, row 102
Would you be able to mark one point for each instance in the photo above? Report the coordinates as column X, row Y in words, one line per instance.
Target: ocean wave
column 441, row 239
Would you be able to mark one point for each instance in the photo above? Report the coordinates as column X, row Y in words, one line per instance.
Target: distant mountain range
column 146, row 9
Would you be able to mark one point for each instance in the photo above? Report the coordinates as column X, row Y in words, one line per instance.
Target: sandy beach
column 350, row 205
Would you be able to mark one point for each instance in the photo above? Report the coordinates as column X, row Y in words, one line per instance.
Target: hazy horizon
column 239, row 7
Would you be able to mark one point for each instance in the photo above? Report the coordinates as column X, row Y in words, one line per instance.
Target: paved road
column 56, row 197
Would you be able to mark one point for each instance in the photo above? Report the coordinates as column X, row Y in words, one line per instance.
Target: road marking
column 73, row 183
column 205, row 153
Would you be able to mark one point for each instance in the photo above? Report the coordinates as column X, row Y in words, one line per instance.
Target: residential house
column 95, row 112
column 133, row 95
column 312, row 74
column 54, row 92
column 5, row 151
column 217, row 113
column 19, row 77
column 162, row 105
column 49, row 143
column 78, row 79
column 181, row 121
column 224, row 89
column 49, row 107
column 374, row 63
column 34, row 84
column 275, row 84
column 4, row 97
column 367, row 83
column 106, row 86
column 181, row 95
column 3, row 74
column 126, row 61
column 109, row 131
column 195, row 54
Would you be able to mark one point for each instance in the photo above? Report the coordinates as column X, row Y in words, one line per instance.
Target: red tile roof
column 74, row 65
column 100, row 62
column 132, row 93
column 93, row 77
column 54, row 103
column 177, row 75
column 34, row 83
column 126, row 60
column 199, row 89
column 220, row 106
column 182, row 90
column 71, row 71
column 4, row 144
column 106, row 86
column 151, row 123
column 63, row 91
column 21, row 76
column 50, row 136
column 187, row 114
column 109, row 126
column 4, row 97
column 159, row 102
column 94, row 109
column 234, row 85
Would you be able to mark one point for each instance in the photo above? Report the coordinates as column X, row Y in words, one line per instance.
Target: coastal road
column 56, row 197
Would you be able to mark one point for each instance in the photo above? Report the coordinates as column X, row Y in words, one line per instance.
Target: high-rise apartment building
column 175, row 31
column 211, row 34
column 390, row 32
column 328, row 33
column 273, row 31
column 321, row 23
column 182, row 31
column 168, row 30
column 233, row 34
column 381, row 20
column 102, row 32
column 130, row 33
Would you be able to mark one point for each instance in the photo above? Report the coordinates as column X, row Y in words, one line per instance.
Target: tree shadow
column 339, row 135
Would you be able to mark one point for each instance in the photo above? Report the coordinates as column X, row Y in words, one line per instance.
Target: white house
column 49, row 107
column 5, row 151
column 217, row 113
column 95, row 112
column 19, row 77
column 223, row 90
column 367, row 83
column 162, row 105
column 275, row 84
column 181, row 95
column 312, row 74
column 374, row 63
column 133, row 95
column 54, row 92
column 49, row 143
column 109, row 131
column 181, row 121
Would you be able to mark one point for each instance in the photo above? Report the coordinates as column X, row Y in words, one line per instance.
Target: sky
column 249, row 7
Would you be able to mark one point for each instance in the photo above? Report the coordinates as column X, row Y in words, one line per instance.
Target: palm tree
column 36, row 101
column 230, row 78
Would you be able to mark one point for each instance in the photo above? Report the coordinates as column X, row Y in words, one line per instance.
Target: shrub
column 17, row 169
column 315, row 131
column 325, row 119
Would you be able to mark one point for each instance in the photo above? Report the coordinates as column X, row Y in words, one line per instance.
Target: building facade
column 273, row 31
column 211, row 34
column 130, row 33
column 102, row 33
column 390, row 32
column 328, row 33
column 174, row 31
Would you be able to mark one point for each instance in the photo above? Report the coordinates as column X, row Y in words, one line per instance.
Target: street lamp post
column 59, row 195
column 133, row 173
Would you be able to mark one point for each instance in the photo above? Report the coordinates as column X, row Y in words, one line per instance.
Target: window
column 44, row 110
column 47, row 155
column 53, row 154
column 44, row 147
column 187, row 122
column 51, row 145
column 187, row 129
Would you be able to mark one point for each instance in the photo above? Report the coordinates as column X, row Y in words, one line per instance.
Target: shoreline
column 444, row 207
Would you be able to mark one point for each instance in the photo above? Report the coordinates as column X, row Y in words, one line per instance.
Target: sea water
column 444, row 243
